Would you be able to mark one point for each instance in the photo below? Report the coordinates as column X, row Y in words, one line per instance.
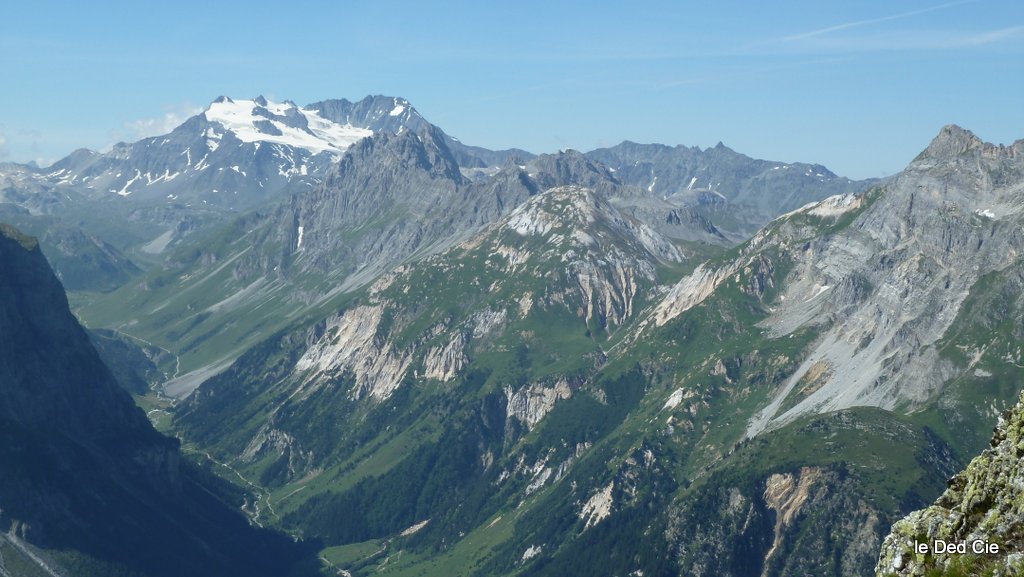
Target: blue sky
column 860, row 87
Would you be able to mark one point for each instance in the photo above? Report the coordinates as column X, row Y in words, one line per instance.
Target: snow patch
column 319, row 134
column 124, row 191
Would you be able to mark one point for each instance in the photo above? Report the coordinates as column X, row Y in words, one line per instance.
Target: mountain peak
column 581, row 217
column 574, row 207
column 952, row 141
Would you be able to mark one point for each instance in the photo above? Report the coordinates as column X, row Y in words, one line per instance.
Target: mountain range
column 596, row 371
column 402, row 190
column 430, row 358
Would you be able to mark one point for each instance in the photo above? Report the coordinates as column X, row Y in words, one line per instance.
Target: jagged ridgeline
column 87, row 486
column 571, row 380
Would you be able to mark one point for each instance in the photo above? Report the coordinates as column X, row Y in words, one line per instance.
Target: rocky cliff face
column 44, row 349
column 982, row 511
column 88, row 487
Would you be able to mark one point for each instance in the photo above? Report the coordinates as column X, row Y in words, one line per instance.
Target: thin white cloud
column 860, row 23
column 171, row 119
column 990, row 37
column 920, row 40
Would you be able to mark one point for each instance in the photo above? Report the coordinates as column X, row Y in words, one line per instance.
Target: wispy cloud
column 173, row 116
column 990, row 37
column 870, row 21
column 919, row 40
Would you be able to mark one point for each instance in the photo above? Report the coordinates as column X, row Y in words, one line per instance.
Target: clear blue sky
column 858, row 86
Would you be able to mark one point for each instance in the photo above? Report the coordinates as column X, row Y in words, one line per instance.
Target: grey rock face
column 42, row 345
column 404, row 191
column 903, row 269
column 883, row 276
column 671, row 219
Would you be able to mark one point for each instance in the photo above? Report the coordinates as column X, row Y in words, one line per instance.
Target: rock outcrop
column 982, row 510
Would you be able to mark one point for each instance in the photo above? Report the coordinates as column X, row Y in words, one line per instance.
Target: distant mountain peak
column 951, row 142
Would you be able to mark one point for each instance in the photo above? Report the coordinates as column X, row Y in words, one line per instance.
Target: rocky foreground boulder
column 977, row 526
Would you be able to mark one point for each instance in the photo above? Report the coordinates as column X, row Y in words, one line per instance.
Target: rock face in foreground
column 984, row 504
column 87, row 486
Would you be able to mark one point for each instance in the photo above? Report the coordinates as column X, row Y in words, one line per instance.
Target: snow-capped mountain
column 262, row 121
column 235, row 154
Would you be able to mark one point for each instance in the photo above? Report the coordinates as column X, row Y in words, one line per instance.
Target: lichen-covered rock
column 982, row 512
